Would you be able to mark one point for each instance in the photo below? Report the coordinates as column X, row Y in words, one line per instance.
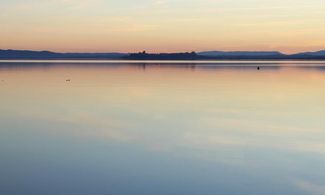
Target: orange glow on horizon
column 163, row 26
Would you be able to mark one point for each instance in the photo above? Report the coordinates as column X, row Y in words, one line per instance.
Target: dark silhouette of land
column 242, row 55
column 162, row 56
column 207, row 55
column 48, row 55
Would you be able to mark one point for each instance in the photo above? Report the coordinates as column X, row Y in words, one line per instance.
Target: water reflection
column 161, row 129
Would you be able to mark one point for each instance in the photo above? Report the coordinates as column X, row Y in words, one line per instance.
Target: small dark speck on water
column 258, row 68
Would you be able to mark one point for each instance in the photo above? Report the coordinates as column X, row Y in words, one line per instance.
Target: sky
column 162, row 25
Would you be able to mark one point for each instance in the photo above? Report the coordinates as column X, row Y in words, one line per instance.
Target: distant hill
column 240, row 53
column 262, row 55
column 162, row 56
column 39, row 55
column 206, row 55
column 318, row 55
column 243, row 54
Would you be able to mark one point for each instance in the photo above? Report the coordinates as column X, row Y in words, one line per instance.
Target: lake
column 162, row 128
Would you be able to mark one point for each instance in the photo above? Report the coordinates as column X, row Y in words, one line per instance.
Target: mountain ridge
column 11, row 54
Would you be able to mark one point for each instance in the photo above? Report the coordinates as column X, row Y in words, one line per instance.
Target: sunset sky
column 162, row 25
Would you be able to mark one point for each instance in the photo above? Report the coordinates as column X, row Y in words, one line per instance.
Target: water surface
column 162, row 128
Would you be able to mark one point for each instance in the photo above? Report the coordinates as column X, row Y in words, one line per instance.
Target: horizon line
column 168, row 52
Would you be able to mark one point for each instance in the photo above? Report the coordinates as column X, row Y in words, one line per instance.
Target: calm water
column 162, row 129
